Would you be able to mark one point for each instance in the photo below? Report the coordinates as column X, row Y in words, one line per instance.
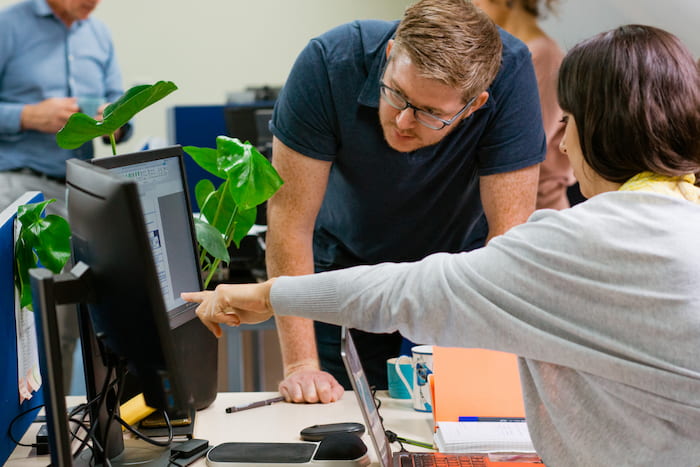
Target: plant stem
column 114, row 144
column 214, row 222
column 212, row 270
column 228, row 236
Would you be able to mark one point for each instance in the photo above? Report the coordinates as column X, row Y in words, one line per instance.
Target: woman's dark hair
column 634, row 93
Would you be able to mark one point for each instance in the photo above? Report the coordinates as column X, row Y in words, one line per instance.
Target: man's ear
column 478, row 103
column 389, row 45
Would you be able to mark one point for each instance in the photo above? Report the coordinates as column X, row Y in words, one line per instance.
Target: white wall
column 579, row 19
column 212, row 47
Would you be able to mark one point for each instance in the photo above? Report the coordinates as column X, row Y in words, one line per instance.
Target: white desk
column 280, row 422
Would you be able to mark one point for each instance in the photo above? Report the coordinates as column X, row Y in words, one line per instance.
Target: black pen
column 252, row 405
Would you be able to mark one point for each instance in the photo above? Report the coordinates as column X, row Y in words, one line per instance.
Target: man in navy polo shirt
column 395, row 141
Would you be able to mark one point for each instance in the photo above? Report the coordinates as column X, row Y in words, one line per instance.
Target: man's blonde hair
column 451, row 41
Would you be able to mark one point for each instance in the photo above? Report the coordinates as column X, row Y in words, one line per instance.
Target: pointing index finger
column 196, row 297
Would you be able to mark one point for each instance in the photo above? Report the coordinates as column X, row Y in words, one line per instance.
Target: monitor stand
column 49, row 290
column 136, row 452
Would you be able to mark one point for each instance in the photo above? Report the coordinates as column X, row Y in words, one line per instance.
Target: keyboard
column 428, row 459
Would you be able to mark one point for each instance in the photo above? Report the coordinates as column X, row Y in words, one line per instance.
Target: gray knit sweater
column 600, row 301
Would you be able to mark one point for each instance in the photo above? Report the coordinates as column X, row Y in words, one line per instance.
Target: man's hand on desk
column 235, row 304
column 232, row 304
column 311, row 385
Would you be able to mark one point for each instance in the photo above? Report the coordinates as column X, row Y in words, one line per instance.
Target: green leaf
column 244, row 221
column 220, row 209
column 202, row 191
column 43, row 239
column 27, row 214
column 253, row 179
column 81, row 128
column 206, row 158
column 211, row 240
column 25, row 259
column 53, row 247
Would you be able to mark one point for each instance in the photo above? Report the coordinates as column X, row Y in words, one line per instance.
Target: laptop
column 375, row 428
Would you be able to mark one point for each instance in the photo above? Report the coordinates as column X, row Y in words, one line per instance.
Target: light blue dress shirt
column 41, row 58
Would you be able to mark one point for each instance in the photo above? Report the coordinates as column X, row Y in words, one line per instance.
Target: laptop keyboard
column 442, row 460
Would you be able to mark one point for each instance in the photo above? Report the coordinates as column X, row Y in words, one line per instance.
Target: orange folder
column 475, row 383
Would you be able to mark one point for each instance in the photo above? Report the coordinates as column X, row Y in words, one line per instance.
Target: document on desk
column 483, row 437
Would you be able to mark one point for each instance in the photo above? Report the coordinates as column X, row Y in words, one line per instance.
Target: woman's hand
column 232, row 304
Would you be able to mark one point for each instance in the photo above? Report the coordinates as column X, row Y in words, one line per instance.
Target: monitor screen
column 163, row 196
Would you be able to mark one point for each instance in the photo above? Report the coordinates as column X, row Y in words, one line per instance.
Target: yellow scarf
column 680, row 187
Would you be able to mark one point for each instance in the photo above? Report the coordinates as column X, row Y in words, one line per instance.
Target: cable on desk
column 100, row 399
column 96, row 446
column 120, row 375
column 147, row 439
column 14, row 420
column 393, row 437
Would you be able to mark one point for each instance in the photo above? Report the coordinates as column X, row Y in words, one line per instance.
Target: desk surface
column 280, row 422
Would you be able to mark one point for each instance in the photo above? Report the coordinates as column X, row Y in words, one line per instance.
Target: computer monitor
column 251, row 123
column 116, row 276
column 133, row 234
column 162, row 186
column 128, row 311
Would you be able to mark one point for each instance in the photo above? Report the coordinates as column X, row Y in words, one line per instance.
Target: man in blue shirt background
column 53, row 57
column 55, row 60
column 395, row 141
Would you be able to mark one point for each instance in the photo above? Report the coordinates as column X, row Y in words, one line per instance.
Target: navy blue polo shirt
column 386, row 205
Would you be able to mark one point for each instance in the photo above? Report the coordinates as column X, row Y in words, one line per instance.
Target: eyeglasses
column 425, row 118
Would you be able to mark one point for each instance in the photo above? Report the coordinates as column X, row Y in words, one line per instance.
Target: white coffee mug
column 422, row 362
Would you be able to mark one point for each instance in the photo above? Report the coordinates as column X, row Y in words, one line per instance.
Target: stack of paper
column 483, row 437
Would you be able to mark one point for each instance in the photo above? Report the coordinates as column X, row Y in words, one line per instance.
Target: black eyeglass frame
column 383, row 89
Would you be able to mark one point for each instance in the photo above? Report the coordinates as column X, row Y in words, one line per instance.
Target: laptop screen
column 166, row 208
column 360, row 386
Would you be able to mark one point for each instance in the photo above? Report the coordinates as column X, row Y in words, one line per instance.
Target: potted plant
column 227, row 212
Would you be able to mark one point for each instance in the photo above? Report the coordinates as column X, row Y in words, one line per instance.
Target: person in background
column 55, row 60
column 520, row 18
column 600, row 301
column 396, row 140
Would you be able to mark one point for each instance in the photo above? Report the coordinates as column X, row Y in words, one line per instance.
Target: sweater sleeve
column 535, row 291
